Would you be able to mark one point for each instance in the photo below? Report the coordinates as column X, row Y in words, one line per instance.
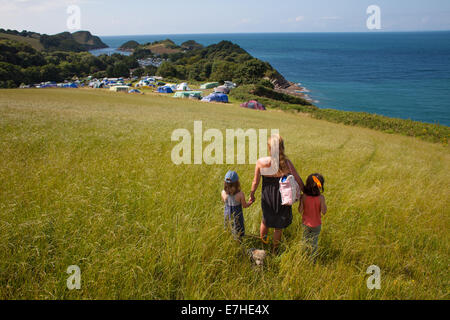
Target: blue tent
column 165, row 90
column 216, row 97
column 70, row 85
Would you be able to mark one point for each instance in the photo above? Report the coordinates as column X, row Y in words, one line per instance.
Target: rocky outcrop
column 278, row 81
column 284, row 86
column 88, row 41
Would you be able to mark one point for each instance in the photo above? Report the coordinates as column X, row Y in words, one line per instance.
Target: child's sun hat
column 231, row 177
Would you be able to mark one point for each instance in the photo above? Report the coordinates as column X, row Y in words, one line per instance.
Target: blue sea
column 402, row 75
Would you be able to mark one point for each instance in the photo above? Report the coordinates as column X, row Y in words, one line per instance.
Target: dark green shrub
column 266, row 83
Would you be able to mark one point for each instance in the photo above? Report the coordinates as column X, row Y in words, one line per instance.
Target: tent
column 209, row 85
column 222, row 89
column 194, row 97
column 165, row 90
column 171, row 86
column 142, row 83
column 252, row 104
column 69, row 85
column 183, row 87
column 48, row 85
column 119, row 89
column 95, row 84
column 187, row 94
column 135, row 91
column 216, row 97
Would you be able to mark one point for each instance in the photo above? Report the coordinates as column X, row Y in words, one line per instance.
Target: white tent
column 95, row 84
column 183, row 87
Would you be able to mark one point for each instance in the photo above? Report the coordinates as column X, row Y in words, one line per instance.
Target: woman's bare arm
column 296, row 176
column 301, row 206
column 256, row 180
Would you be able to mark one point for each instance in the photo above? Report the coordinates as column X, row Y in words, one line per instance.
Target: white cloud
column 293, row 20
column 44, row 16
column 36, row 6
column 330, row 18
column 245, row 21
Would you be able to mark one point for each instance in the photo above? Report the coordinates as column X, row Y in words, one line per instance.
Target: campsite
column 208, row 92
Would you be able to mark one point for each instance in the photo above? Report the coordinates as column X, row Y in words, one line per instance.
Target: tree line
column 20, row 63
column 218, row 62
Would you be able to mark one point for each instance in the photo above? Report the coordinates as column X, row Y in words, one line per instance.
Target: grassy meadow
column 86, row 179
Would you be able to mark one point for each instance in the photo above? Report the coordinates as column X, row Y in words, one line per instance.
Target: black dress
column 274, row 214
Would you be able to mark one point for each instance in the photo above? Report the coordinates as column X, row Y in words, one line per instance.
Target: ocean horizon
column 396, row 74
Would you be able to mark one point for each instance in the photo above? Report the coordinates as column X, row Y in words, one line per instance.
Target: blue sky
column 225, row 16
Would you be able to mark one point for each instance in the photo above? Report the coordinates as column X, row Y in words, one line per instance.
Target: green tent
column 209, row 85
column 187, row 94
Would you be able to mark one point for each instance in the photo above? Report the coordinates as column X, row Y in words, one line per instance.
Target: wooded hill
column 65, row 41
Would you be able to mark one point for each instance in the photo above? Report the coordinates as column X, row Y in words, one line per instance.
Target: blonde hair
column 283, row 159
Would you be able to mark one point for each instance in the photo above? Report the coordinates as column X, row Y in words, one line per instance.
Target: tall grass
column 86, row 179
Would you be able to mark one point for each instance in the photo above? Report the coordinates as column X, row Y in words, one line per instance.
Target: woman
column 274, row 214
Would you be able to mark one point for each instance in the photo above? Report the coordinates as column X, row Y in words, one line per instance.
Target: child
column 234, row 200
column 312, row 205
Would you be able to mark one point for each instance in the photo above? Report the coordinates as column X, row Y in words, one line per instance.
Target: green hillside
column 129, row 45
column 33, row 42
column 86, row 179
column 79, row 41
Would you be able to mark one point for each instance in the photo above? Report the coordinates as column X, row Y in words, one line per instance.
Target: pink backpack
column 290, row 191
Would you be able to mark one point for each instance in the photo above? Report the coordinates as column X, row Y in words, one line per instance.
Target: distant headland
column 65, row 41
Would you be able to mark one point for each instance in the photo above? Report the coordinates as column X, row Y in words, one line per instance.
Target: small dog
column 257, row 256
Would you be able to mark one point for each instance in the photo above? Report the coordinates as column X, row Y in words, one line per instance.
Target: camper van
column 120, row 89
column 230, row 85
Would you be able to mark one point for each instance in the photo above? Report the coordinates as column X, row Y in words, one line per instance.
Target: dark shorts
column 275, row 215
